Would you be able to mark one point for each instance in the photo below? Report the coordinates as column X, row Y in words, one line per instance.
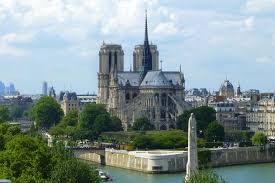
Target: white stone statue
column 192, row 163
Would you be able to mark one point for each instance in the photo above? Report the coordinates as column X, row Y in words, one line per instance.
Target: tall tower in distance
column 111, row 57
column 45, row 88
column 145, row 56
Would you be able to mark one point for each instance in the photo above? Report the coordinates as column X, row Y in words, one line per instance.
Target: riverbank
column 160, row 161
column 233, row 174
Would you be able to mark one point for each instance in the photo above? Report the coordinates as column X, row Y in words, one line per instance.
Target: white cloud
column 7, row 50
column 166, row 28
column 7, row 41
column 126, row 18
column 237, row 24
column 265, row 60
column 257, row 6
column 17, row 37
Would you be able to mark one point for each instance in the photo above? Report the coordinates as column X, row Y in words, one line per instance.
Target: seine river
column 258, row 173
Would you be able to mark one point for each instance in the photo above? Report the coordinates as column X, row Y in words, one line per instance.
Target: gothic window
column 127, row 97
column 134, row 95
column 157, row 97
column 163, row 99
column 162, row 114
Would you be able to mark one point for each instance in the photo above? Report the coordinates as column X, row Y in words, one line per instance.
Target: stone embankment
column 160, row 161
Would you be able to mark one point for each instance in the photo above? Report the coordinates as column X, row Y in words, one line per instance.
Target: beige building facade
column 262, row 117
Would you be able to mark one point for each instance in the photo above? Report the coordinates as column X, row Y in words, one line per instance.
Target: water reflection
column 235, row 174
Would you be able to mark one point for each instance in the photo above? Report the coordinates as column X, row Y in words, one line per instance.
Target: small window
column 156, row 168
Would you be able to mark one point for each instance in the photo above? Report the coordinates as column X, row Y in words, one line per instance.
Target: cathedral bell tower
column 111, row 57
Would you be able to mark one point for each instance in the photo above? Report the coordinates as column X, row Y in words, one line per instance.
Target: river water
column 257, row 173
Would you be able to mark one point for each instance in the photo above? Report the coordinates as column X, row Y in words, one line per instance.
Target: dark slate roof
column 128, row 77
column 152, row 78
column 155, row 78
column 175, row 77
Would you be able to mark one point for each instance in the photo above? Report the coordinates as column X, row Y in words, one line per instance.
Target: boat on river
column 104, row 176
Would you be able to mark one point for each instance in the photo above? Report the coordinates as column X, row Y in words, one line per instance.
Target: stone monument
column 192, row 163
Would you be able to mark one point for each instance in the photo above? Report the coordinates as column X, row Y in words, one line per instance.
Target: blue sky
column 58, row 40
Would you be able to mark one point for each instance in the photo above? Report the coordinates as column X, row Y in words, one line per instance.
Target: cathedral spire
column 146, row 56
column 146, row 30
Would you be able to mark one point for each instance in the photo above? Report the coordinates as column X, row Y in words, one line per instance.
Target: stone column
column 192, row 163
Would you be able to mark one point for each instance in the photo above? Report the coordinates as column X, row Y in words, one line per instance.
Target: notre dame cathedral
column 147, row 91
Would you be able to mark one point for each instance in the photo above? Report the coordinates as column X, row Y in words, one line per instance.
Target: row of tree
column 28, row 159
column 13, row 112
column 87, row 124
column 94, row 119
column 207, row 125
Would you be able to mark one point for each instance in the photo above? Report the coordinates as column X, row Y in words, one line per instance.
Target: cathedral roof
column 131, row 78
column 152, row 78
column 174, row 76
column 156, row 79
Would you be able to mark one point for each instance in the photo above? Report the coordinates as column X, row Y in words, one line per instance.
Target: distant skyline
column 58, row 41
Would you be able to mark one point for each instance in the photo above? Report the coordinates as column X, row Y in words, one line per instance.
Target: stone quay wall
column 147, row 161
column 238, row 156
column 160, row 161
column 88, row 156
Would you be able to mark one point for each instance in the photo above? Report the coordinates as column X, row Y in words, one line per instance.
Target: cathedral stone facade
column 147, row 91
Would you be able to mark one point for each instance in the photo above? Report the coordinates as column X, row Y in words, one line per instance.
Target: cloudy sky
column 58, row 40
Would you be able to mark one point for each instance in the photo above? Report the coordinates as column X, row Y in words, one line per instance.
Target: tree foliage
column 142, row 124
column 26, row 159
column 73, row 171
column 16, row 112
column 214, row 132
column 71, row 119
column 204, row 116
column 259, row 139
column 160, row 140
column 46, row 112
column 4, row 114
column 205, row 176
column 94, row 119
column 89, row 114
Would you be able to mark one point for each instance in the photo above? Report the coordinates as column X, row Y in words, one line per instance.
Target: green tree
column 102, row 123
column 16, row 112
column 24, row 153
column 214, row 132
column 259, row 139
column 204, row 116
column 205, row 176
column 71, row 119
column 26, row 159
column 142, row 142
column 46, row 112
column 116, row 124
column 4, row 114
column 142, row 124
column 89, row 114
column 73, row 171
column 160, row 140
column 2, row 142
